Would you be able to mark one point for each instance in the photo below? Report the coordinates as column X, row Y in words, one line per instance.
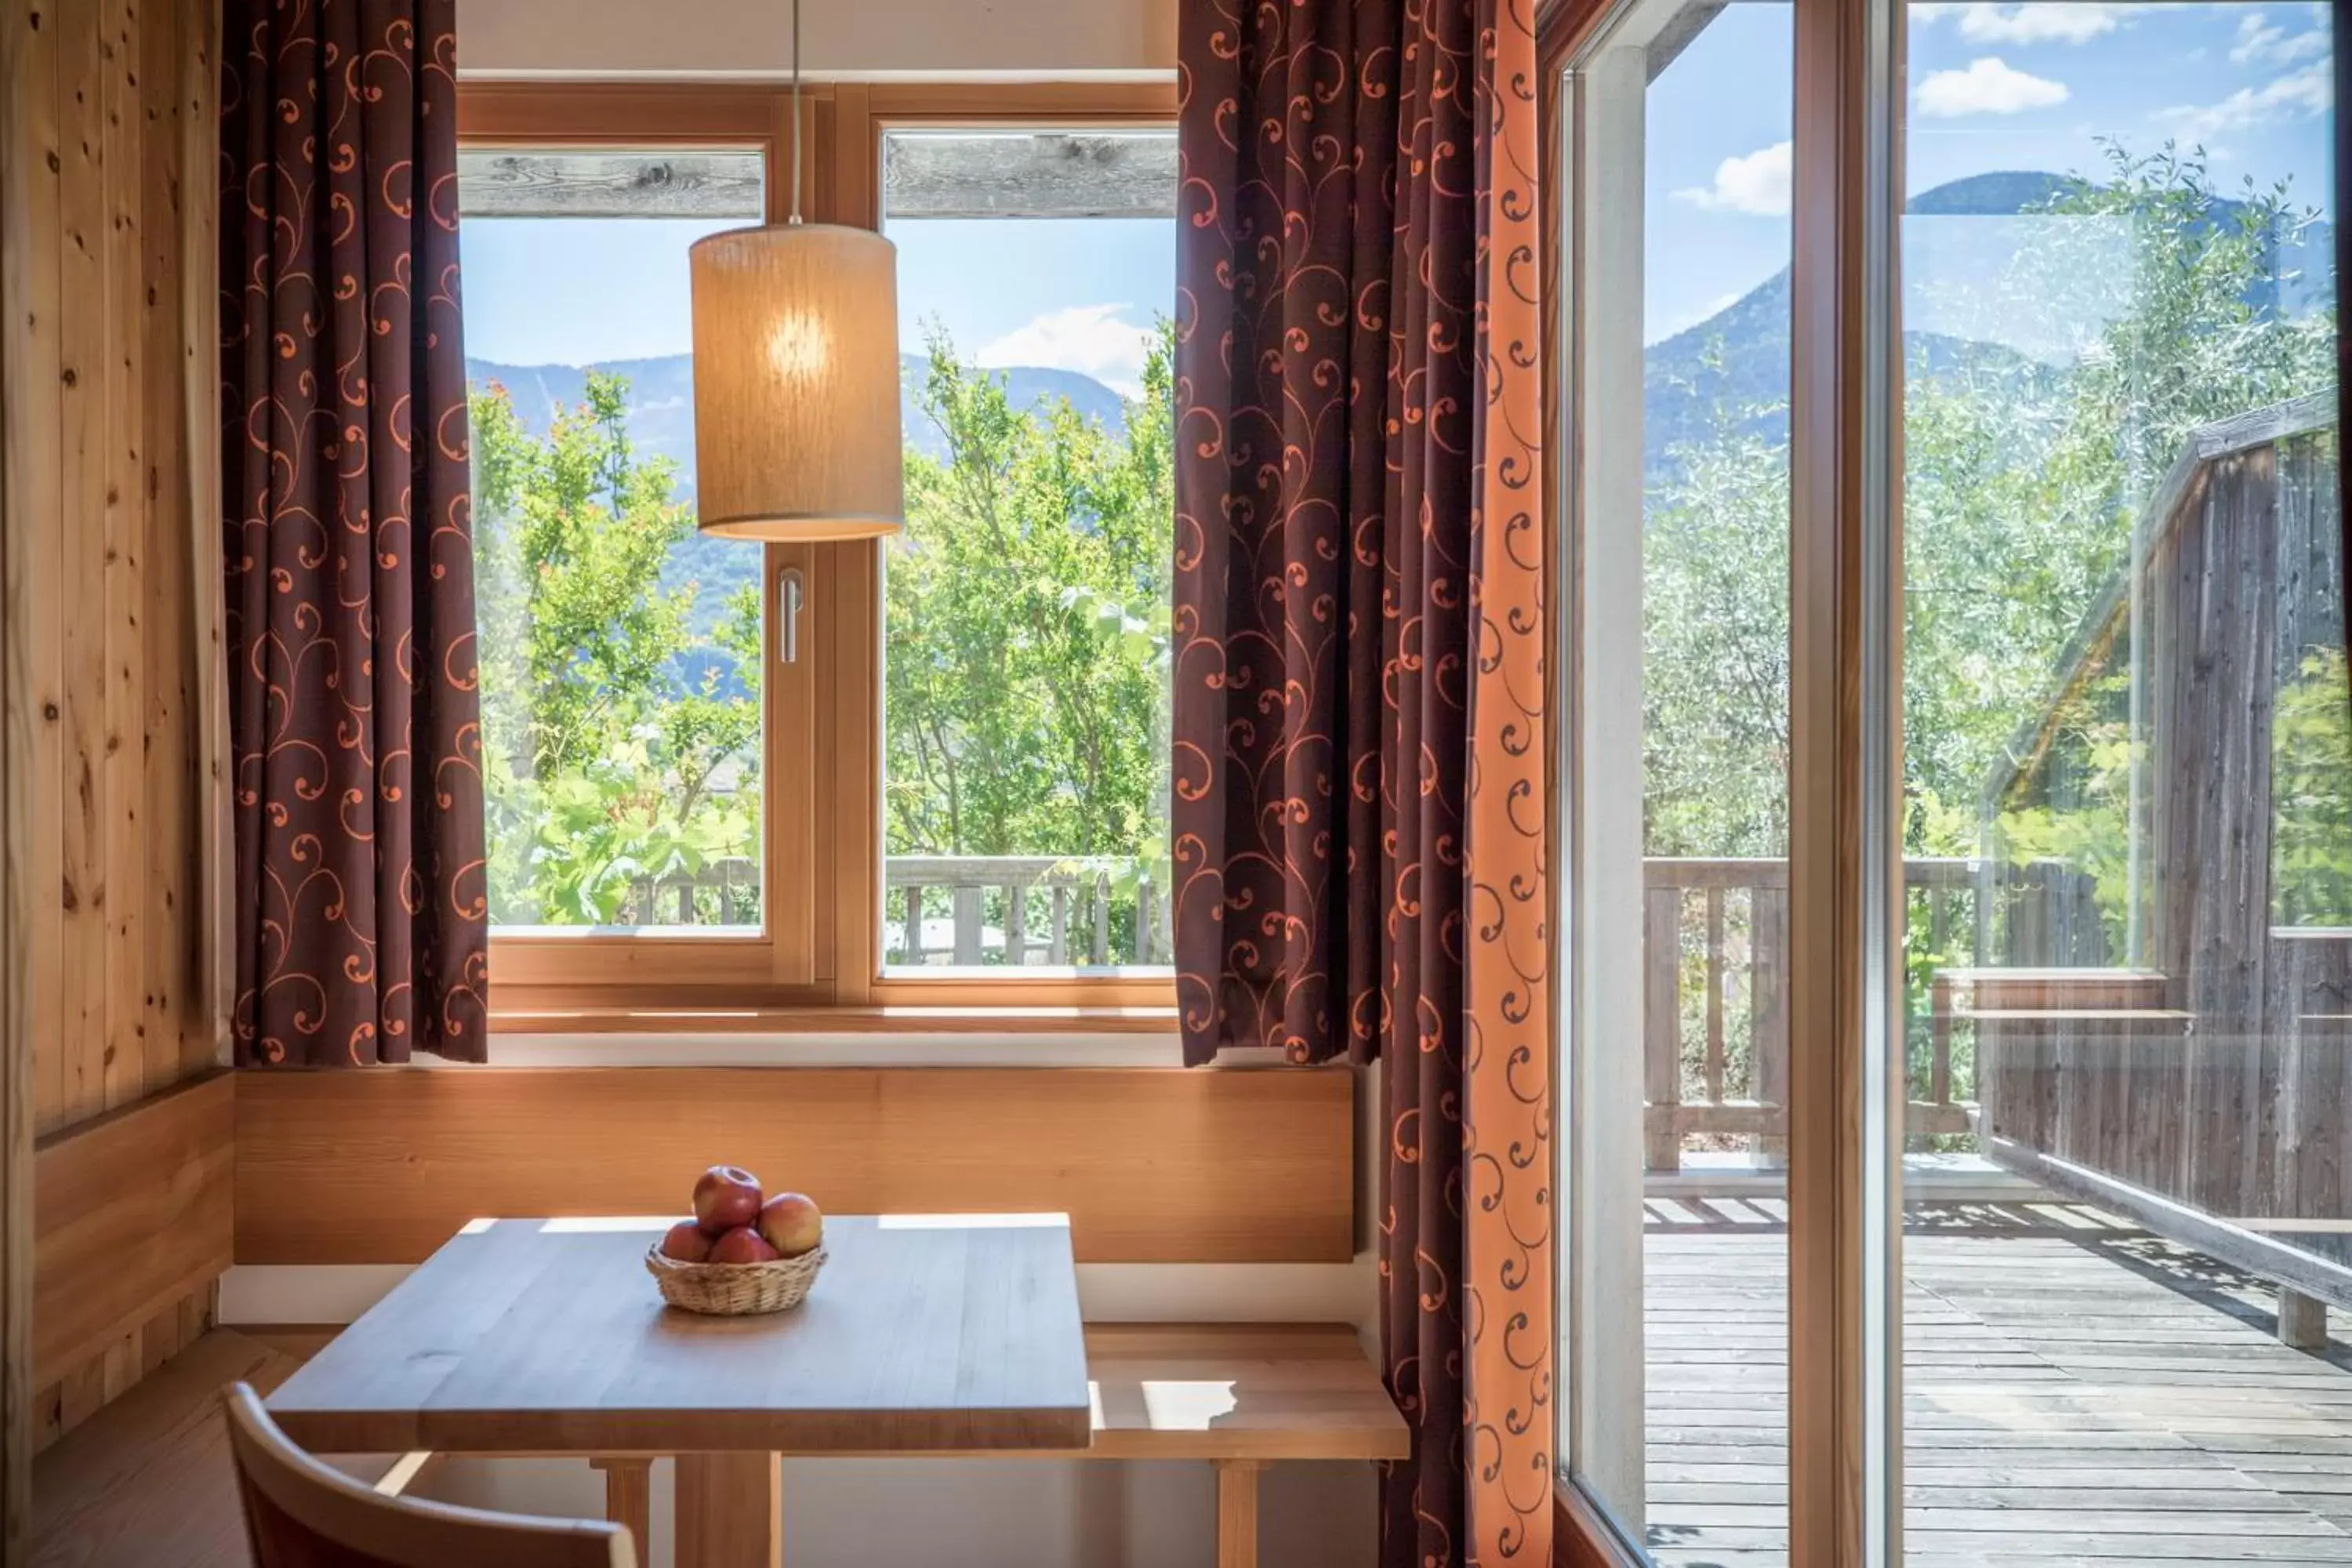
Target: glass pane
column 1677, row 1413
column 2127, row 769
column 1026, row 620
column 620, row 651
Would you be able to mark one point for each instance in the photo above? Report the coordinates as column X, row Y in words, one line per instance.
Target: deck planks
column 2075, row 1392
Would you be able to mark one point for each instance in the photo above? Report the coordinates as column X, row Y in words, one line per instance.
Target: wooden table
column 925, row 1333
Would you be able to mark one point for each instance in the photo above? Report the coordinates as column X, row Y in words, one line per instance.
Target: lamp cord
column 796, row 110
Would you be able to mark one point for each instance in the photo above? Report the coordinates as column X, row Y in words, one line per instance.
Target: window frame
column 865, row 115
column 816, row 963
column 1844, row 1192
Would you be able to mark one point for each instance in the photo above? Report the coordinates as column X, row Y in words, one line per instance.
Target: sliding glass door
column 2128, row 841
column 1676, row 1030
column 1956, row 1139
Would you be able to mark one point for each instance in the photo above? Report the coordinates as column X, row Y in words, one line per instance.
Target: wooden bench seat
column 148, row 1479
column 1238, row 1391
column 1240, row 1396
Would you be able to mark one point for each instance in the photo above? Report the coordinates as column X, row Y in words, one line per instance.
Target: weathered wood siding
column 108, row 676
column 2227, row 1090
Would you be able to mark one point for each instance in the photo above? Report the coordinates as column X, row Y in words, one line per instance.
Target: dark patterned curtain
column 1358, row 772
column 361, row 927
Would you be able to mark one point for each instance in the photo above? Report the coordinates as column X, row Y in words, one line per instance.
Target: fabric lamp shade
column 796, row 383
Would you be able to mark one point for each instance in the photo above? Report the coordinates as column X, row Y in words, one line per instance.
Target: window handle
column 791, row 595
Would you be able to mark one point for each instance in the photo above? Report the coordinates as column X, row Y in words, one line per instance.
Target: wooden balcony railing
column 984, row 909
column 1716, row 988
column 1086, row 912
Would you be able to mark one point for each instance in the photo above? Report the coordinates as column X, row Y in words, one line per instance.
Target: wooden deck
column 2077, row 1391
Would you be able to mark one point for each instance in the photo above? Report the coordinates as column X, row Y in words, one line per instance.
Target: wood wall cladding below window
column 111, row 697
column 132, row 1218
column 1151, row 1165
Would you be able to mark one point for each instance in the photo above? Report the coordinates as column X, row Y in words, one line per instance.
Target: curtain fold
column 1360, row 726
column 361, row 927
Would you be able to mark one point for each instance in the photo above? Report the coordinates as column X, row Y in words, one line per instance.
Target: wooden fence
column 965, row 909
column 1716, row 988
column 2215, row 1080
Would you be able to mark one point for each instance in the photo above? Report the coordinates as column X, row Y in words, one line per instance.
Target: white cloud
column 1755, row 182
column 2264, row 42
column 2031, row 24
column 2298, row 95
column 1986, row 87
column 1089, row 339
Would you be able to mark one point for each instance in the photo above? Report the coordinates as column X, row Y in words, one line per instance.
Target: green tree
column 620, row 742
column 1028, row 639
column 2023, row 484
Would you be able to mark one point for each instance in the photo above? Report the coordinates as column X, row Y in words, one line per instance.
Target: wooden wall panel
column 102, row 543
column 1151, row 1165
column 132, row 1216
column 108, row 555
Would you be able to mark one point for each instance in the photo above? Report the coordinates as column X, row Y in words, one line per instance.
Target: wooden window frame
column 1845, row 477
column 816, row 966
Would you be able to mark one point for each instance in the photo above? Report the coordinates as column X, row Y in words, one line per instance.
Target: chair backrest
column 300, row 1514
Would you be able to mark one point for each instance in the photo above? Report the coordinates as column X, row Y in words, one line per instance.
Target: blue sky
column 1992, row 87
column 1076, row 294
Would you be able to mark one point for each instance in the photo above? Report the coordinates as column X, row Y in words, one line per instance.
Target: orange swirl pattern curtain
column 361, row 922
column 1359, row 762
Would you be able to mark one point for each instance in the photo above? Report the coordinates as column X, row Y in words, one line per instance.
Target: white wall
column 860, row 40
column 975, row 1513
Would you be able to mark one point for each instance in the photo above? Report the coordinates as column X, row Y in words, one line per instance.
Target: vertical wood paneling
column 168, row 784
column 81, row 586
column 122, row 889
column 31, row 1088
column 109, row 734
column 211, row 972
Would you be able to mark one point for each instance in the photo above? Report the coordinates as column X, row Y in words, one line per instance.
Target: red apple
column 792, row 1223
column 741, row 1245
column 725, row 1198
column 688, row 1242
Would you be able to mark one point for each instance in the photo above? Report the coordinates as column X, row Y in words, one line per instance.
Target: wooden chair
column 299, row 1513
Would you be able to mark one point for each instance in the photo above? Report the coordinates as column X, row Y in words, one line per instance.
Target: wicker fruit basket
column 735, row 1290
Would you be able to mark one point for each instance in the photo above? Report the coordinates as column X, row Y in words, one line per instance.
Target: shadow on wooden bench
column 1240, row 1396
column 148, row 1479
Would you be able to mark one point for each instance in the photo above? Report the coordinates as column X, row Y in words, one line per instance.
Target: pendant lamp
column 796, row 376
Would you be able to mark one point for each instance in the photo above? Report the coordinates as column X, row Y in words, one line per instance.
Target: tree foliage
column 1026, row 666
column 1027, row 671
column 620, row 742
column 2024, row 481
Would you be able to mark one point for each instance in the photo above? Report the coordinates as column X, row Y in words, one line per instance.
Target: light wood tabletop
column 925, row 1333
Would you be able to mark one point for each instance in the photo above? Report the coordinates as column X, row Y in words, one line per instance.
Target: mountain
column 1999, row 193
column 1734, row 367
column 661, row 400
column 661, row 424
column 1961, row 241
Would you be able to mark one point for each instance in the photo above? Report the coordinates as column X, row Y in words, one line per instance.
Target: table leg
column 628, row 1499
column 1237, row 1513
column 730, row 1510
